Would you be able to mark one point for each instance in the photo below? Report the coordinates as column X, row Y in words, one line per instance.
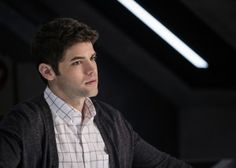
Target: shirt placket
column 84, row 145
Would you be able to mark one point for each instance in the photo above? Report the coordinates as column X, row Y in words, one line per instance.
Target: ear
column 46, row 71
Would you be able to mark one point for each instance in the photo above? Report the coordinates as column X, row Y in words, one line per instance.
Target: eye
column 76, row 63
column 93, row 58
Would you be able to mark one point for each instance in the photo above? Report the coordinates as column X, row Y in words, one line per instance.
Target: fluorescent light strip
column 164, row 33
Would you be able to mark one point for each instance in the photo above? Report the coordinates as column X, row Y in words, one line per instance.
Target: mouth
column 91, row 82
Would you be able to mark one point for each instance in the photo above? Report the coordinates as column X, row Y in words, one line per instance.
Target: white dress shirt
column 79, row 142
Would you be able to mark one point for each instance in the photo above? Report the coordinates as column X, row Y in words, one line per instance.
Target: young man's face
column 78, row 72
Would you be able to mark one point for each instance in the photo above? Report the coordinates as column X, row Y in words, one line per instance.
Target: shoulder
column 25, row 118
column 105, row 109
column 101, row 104
column 28, row 111
column 31, row 104
column 109, row 114
column 116, row 126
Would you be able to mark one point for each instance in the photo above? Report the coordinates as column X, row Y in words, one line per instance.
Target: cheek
column 74, row 77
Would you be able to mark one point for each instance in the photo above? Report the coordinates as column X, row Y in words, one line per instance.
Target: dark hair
column 56, row 36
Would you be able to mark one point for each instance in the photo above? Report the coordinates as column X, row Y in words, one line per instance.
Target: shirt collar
column 68, row 113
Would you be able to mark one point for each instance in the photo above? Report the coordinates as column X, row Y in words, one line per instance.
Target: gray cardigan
column 27, row 139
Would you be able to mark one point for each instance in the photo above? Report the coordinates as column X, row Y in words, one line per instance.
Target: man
column 64, row 127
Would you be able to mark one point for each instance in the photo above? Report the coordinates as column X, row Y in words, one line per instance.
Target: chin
column 93, row 94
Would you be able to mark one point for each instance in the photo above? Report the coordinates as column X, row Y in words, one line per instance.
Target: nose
column 90, row 68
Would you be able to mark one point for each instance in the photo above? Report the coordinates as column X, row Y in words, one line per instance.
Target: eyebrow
column 81, row 57
column 76, row 58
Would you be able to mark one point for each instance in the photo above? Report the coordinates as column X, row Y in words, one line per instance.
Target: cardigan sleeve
column 10, row 143
column 9, row 150
column 147, row 156
column 27, row 136
column 129, row 148
column 144, row 154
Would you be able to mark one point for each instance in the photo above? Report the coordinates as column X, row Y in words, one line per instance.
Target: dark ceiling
column 19, row 20
column 191, row 29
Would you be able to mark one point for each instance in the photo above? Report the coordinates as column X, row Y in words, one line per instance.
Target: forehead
column 82, row 49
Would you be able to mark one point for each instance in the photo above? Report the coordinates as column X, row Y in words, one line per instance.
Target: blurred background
column 183, row 110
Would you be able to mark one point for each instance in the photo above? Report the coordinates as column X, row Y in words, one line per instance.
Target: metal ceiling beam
column 217, row 14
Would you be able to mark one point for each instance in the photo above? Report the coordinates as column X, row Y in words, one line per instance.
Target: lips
column 91, row 82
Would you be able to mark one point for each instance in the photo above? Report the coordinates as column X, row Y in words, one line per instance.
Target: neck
column 76, row 102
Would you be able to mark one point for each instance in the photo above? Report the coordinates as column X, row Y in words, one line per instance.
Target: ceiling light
column 164, row 33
